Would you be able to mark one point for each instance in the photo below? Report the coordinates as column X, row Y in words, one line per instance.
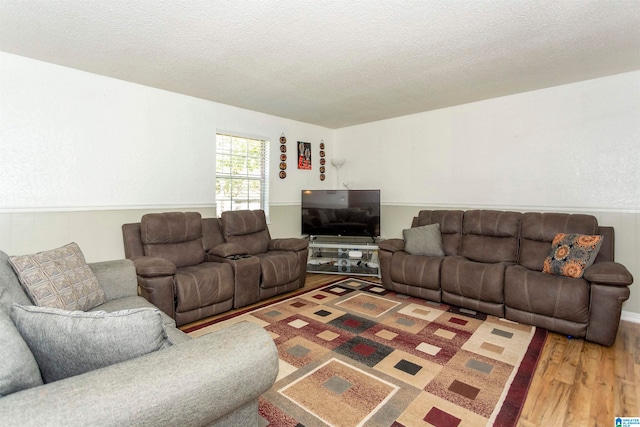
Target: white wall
column 571, row 148
column 71, row 139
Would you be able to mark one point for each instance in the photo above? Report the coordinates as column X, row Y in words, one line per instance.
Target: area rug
column 354, row 354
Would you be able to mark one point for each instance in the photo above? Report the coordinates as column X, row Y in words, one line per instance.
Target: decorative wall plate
column 321, row 177
column 322, row 161
column 321, row 169
column 322, row 154
column 283, row 157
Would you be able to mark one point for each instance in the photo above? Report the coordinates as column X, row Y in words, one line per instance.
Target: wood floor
column 576, row 383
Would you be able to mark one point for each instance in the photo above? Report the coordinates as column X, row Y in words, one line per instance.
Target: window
column 242, row 173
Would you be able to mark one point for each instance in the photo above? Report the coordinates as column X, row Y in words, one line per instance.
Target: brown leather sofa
column 493, row 263
column 192, row 267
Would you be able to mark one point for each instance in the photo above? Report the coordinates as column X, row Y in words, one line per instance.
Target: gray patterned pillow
column 59, row 278
column 67, row 343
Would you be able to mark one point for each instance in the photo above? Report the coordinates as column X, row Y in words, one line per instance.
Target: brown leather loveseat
column 192, row 267
column 493, row 262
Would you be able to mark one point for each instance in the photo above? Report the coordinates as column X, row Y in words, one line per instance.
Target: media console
column 355, row 259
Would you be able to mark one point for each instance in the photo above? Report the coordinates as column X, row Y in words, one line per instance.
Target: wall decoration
column 322, row 160
column 283, row 157
column 304, row 155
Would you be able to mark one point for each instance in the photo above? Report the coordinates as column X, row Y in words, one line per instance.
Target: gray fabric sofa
column 213, row 380
column 492, row 262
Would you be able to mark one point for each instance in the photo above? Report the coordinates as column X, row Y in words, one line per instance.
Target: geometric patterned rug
column 354, row 354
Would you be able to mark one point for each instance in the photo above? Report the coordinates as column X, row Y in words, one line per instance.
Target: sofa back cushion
column 538, row 230
column 10, row 288
column 212, row 233
column 18, row 370
column 247, row 228
column 450, row 227
column 608, row 244
column 67, row 343
column 176, row 236
column 131, row 237
column 490, row 236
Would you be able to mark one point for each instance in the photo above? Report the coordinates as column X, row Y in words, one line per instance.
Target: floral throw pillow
column 571, row 254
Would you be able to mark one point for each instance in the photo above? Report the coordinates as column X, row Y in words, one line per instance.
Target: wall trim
column 418, row 205
column 44, row 209
column 521, row 208
column 630, row 316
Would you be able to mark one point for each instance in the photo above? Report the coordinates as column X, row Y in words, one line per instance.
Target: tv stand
column 344, row 257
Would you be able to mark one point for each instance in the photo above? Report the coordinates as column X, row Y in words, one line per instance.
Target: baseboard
column 630, row 316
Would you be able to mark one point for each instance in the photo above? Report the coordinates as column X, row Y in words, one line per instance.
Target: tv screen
column 341, row 213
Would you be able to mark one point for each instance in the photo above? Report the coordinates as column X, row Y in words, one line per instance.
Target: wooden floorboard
column 576, row 383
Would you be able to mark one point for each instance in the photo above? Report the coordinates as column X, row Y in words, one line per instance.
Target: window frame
column 247, row 176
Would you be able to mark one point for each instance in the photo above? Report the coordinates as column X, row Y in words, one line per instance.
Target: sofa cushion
column 59, row 278
column 548, row 295
column 176, row 236
column 247, row 228
column 203, row 285
column 450, row 227
column 416, row 270
column 278, row 268
column 18, row 370
column 571, row 254
column 490, row 236
column 425, row 240
column 10, row 288
column 537, row 231
column 67, row 343
column 474, row 280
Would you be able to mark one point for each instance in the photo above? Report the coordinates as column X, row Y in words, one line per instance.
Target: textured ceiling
column 331, row 63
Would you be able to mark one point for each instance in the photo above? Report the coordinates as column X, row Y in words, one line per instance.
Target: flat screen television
column 341, row 213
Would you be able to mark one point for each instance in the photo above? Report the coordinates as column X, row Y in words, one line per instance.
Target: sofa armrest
column 228, row 250
column 193, row 383
column 288, row 244
column 391, row 245
column 154, row 267
column 155, row 281
column 117, row 278
column 608, row 273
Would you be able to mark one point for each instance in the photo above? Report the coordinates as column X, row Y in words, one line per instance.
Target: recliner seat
column 282, row 261
column 173, row 272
